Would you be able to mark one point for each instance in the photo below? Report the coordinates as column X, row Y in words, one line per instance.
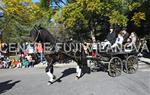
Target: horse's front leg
column 49, row 70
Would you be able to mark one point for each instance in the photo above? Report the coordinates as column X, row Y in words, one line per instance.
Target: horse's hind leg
column 79, row 71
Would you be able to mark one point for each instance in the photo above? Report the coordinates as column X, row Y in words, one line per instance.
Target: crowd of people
column 25, row 58
column 121, row 38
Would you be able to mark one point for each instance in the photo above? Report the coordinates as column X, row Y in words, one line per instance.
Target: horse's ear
column 40, row 25
column 35, row 25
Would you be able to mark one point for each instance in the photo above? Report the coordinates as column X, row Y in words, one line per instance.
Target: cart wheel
column 131, row 64
column 115, row 67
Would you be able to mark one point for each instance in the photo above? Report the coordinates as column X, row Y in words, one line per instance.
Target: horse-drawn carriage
column 114, row 62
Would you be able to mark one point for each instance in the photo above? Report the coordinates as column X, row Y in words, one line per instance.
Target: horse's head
column 39, row 33
column 34, row 34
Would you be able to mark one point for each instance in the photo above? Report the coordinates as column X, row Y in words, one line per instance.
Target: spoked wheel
column 115, row 67
column 131, row 65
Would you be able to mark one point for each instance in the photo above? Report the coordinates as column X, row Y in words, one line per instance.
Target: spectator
column 13, row 63
column 8, row 62
column 29, row 58
column 39, row 50
column 5, row 64
column 26, row 51
column 1, row 64
column 18, row 64
column 30, row 49
column 94, row 47
column 25, row 63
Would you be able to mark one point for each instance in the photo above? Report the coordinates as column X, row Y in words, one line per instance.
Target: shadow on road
column 7, row 85
column 65, row 73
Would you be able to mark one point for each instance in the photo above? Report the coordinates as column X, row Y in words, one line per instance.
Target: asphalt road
column 33, row 81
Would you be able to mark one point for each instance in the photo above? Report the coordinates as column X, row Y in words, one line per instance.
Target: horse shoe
column 77, row 77
column 49, row 83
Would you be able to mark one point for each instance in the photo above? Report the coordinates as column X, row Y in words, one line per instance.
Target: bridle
column 37, row 34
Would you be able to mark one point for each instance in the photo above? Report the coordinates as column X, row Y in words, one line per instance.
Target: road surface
column 33, row 81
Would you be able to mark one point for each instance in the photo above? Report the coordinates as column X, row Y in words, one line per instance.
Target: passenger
column 125, row 35
column 119, row 41
column 133, row 38
column 110, row 39
column 127, row 47
column 86, row 47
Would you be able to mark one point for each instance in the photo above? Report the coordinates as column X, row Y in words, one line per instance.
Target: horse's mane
column 47, row 36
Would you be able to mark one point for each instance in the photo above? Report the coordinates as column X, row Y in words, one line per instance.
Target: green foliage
column 93, row 15
column 78, row 16
column 19, row 19
column 138, row 17
column 116, row 18
column 134, row 6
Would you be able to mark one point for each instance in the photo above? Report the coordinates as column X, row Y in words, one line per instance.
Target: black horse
column 43, row 35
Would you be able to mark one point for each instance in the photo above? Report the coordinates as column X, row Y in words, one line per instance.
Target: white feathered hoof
column 77, row 77
column 49, row 83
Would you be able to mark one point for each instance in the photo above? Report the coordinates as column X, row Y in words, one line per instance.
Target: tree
column 139, row 20
column 45, row 3
column 19, row 17
column 95, row 16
